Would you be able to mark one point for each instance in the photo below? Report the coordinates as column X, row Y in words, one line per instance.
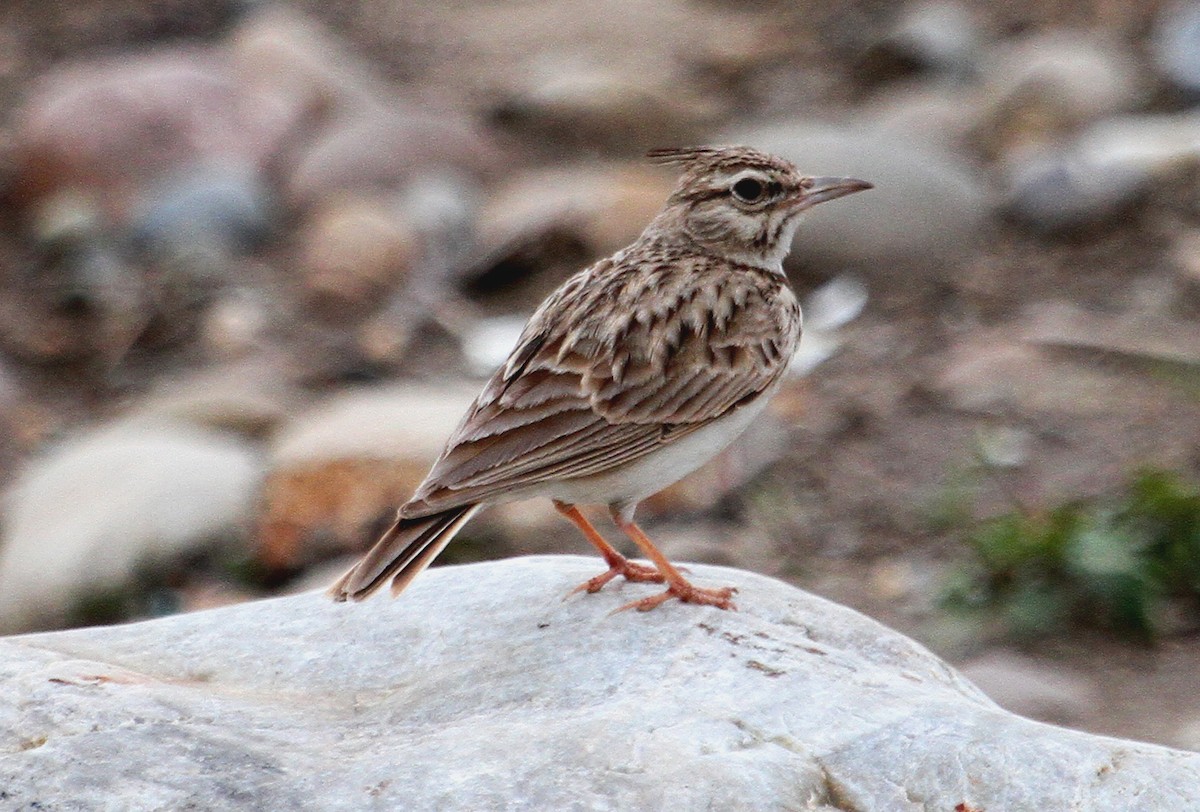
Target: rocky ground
column 256, row 258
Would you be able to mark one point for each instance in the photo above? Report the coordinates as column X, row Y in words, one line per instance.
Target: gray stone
column 205, row 211
column 1058, row 190
column 1101, row 172
column 1175, row 45
column 480, row 688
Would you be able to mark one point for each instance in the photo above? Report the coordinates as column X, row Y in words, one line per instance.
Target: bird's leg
column 677, row 585
column 617, row 563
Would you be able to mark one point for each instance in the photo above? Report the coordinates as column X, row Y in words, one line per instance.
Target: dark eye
column 749, row 190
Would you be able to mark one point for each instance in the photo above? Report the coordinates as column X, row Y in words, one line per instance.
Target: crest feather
column 684, row 155
column 700, row 159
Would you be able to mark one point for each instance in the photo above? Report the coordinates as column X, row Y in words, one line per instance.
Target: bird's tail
column 407, row 548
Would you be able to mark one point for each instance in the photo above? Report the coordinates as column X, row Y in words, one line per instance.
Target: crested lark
column 631, row 375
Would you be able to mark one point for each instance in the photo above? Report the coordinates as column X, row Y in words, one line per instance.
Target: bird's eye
column 749, row 190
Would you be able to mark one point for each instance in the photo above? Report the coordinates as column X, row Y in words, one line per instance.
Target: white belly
column 649, row 474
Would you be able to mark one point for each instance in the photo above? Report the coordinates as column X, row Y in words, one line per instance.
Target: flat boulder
column 481, row 688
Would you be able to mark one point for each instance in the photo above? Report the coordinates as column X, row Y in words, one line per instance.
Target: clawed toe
column 629, row 570
column 684, row 591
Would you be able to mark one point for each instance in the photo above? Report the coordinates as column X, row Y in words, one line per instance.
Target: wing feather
column 621, row 360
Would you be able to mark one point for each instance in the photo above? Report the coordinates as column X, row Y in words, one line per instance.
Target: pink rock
column 110, row 125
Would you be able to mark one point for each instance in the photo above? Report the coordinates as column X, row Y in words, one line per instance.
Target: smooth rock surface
column 482, row 689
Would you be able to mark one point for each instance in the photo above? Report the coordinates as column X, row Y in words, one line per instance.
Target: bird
column 631, row 375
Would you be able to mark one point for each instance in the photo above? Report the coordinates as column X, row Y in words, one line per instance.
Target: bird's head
column 742, row 202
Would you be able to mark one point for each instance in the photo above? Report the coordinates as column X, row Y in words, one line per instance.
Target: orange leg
column 677, row 585
column 617, row 563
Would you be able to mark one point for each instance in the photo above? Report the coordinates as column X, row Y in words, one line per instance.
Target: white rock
column 1161, row 145
column 835, row 304
column 89, row 512
column 482, row 689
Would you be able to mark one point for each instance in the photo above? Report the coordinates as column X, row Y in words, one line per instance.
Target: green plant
column 1112, row 563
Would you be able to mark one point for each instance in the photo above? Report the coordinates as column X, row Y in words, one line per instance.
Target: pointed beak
column 823, row 189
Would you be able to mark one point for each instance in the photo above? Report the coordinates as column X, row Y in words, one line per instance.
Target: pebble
column 1103, row 171
column 296, row 71
column 1044, row 85
column 604, row 206
column 112, row 125
column 224, row 210
column 236, row 324
column 249, row 397
column 355, row 249
column 83, row 517
column 341, row 466
column 1056, row 191
column 375, row 152
column 1004, row 446
column 1175, row 46
column 582, row 106
column 944, row 113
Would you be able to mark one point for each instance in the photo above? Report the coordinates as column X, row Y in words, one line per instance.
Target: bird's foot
column 629, row 570
column 684, row 591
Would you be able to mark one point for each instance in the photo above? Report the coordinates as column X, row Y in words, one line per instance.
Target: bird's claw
column 629, row 570
column 684, row 591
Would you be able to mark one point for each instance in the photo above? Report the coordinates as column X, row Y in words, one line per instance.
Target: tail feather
column 407, row 548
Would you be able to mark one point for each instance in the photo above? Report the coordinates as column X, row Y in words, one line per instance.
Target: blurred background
column 256, row 258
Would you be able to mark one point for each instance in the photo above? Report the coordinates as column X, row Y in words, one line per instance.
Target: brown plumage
column 629, row 376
